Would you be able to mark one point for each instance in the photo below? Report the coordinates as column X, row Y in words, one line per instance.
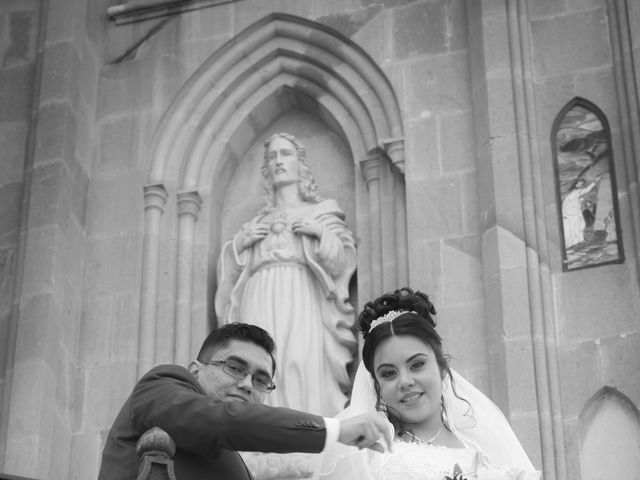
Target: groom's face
column 222, row 386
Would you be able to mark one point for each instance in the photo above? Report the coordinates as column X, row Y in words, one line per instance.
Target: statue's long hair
column 306, row 183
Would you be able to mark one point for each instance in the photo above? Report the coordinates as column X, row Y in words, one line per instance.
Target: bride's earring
column 443, row 411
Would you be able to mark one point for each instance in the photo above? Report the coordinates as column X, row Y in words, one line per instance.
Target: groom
column 213, row 409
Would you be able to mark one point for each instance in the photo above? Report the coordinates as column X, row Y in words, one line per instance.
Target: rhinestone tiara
column 388, row 317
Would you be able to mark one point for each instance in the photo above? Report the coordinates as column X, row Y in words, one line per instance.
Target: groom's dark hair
column 221, row 336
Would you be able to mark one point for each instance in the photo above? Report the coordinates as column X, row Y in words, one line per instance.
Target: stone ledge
column 6, row 476
column 138, row 10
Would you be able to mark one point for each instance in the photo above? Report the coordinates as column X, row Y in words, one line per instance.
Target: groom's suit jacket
column 208, row 433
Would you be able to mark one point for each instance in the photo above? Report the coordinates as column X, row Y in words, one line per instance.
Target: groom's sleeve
column 332, row 426
column 167, row 398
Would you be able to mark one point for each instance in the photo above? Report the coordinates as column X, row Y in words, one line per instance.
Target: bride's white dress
column 412, row 461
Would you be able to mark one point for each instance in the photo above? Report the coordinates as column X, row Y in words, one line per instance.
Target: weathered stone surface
column 620, row 361
column 20, row 45
column 461, row 327
column 457, row 25
column 520, row 377
column 422, row 146
column 573, row 361
column 436, row 84
column 470, row 205
column 121, row 91
column 77, row 188
column 95, row 331
column 439, row 201
column 582, row 313
column 373, row 37
column 495, row 43
column 118, row 146
column 86, row 450
column 32, row 393
column 598, row 87
column 527, row 428
column 15, row 93
column 545, row 8
column 507, row 194
column 56, row 133
column 584, row 40
column 64, row 21
column 461, row 268
column 411, row 38
column 10, row 213
column 107, row 276
column 501, row 115
column 456, row 142
column 256, row 9
column 13, row 140
column 199, row 26
column 551, row 95
column 46, row 194
column 39, row 265
column 59, row 72
column 59, row 463
column 116, row 205
column 350, row 23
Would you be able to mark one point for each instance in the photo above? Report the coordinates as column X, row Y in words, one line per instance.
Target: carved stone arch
column 610, row 436
column 279, row 62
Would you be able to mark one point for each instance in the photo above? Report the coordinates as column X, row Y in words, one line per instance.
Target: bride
column 444, row 428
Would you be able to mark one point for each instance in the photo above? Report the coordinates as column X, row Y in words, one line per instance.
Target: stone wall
column 39, row 408
column 478, row 85
column 19, row 26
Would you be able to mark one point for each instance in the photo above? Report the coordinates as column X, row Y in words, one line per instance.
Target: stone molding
column 155, row 198
column 629, row 105
column 189, row 204
column 279, row 51
column 138, row 10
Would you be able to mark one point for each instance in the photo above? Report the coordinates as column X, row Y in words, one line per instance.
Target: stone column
column 629, row 104
column 188, row 208
column 53, row 241
column 509, row 204
column 155, row 198
column 371, row 171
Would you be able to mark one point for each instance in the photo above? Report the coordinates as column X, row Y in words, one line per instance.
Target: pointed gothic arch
column 234, row 96
column 610, row 435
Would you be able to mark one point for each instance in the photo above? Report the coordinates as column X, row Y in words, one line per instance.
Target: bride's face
column 409, row 377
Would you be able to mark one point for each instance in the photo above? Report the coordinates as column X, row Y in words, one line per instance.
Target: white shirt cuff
column 332, row 426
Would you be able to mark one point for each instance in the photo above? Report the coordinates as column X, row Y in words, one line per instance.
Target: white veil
column 479, row 424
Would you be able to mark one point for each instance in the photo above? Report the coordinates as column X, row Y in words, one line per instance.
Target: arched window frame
column 595, row 257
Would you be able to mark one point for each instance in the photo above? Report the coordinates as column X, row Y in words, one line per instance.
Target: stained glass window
column 586, row 187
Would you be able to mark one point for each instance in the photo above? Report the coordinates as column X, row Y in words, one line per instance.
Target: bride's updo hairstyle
column 412, row 314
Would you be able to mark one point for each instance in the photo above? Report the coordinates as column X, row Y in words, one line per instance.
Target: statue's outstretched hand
column 366, row 431
column 250, row 234
column 307, row 226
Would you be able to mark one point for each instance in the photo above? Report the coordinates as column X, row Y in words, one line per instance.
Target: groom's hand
column 366, row 431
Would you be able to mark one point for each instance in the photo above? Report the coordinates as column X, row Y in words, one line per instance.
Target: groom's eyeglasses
column 260, row 381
